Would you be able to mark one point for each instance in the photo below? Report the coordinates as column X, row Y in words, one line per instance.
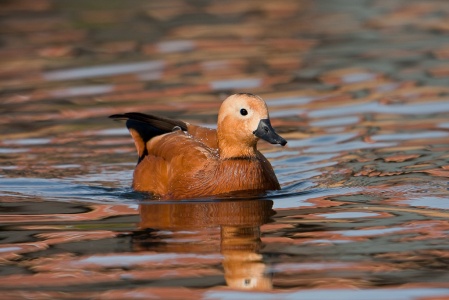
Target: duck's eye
column 243, row 112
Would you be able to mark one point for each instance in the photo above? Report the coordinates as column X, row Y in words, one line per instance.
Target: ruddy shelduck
column 178, row 160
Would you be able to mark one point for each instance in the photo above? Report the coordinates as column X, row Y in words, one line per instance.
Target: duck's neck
column 236, row 150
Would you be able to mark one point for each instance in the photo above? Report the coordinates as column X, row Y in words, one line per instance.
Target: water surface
column 358, row 88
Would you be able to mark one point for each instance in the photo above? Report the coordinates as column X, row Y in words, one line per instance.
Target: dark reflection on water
column 229, row 227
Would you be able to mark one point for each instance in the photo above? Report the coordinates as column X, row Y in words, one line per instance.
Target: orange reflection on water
column 237, row 238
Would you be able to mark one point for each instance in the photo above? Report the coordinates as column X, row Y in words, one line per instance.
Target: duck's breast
column 245, row 174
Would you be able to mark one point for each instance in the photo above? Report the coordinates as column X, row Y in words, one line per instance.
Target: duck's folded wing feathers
column 163, row 124
column 144, row 127
column 175, row 164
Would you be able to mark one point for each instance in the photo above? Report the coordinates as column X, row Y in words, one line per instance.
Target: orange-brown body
column 195, row 167
column 194, row 161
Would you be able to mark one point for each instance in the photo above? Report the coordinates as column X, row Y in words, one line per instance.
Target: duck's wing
column 176, row 165
column 149, row 125
column 144, row 127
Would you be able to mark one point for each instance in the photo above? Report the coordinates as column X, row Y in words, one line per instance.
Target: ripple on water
column 304, row 195
column 12, row 150
column 127, row 260
column 294, row 100
column 410, row 136
column 337, row 294
column 375, row 232
column 62, row 190
column 348, row 215
column 67, row 166
column 83, row 91
column 431, row 107
column 113, row 131
column 431, row 202
column 285, row 113
column 25, row 142
column 350, row 120
column 176, row 46
column 322, row 140
column 107, row 70
column 350, row 146
column 444, row 125
column 237, row 84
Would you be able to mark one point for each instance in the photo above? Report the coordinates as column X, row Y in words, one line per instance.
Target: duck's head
column 242, row 120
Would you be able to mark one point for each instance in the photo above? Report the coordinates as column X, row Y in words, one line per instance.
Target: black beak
column 267, row 133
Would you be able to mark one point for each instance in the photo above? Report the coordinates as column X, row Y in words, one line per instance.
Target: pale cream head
column 244, row 109
column 238, row 118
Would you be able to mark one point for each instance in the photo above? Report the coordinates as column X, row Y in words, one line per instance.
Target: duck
column 179, row 160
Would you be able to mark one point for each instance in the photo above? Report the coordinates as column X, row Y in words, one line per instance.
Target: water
column 358, row 88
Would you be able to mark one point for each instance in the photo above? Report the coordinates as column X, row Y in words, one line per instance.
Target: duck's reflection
column 235, row 226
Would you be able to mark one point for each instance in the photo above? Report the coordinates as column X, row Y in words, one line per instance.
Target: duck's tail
column 144, row 127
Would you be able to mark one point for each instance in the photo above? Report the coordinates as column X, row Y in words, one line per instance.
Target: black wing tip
column 117, row 116
column 155, row 121
column 127, row 115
